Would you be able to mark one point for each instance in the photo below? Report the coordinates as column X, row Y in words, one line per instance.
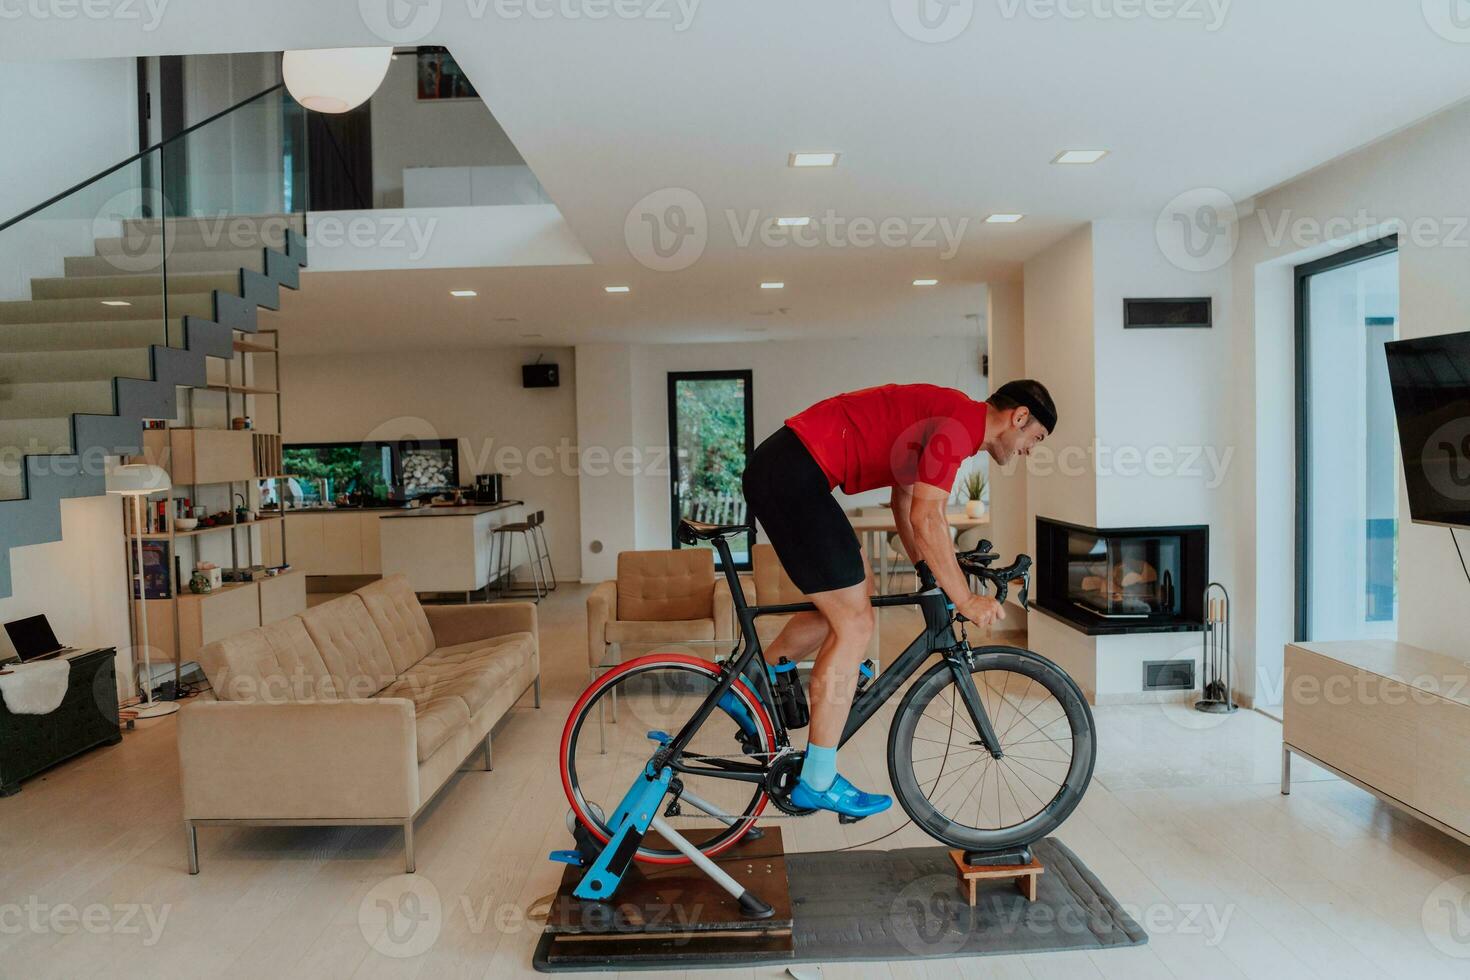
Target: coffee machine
column 488, row 488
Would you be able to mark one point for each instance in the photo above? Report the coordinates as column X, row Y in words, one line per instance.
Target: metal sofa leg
column 1285, row 770
column 537, row 686
column 409, row 867
column 489, row 759
column 191, row 844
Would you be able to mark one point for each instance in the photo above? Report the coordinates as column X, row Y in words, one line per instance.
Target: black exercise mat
column 907, row 904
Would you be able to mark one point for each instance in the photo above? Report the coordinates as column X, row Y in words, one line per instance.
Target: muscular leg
column 850, row 620
column 802, row 635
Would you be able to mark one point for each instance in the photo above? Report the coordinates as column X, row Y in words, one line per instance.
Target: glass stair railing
column 114, row 294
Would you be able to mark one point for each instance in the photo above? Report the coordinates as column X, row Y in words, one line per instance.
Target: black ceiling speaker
column 540, row 376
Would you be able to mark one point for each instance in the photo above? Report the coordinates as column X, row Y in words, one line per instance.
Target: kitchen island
column 446, row 549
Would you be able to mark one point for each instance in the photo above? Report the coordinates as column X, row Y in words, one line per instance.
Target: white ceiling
column 608, row 111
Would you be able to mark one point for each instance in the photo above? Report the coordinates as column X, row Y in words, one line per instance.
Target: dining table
column 874, row 524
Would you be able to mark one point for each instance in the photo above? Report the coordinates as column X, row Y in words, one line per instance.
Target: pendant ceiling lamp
column 335, row 79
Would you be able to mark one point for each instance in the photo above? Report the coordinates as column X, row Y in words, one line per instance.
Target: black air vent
column 1143, row 314
column 1168, row 675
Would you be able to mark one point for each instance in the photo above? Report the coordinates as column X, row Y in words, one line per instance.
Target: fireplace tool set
column 1215, row 667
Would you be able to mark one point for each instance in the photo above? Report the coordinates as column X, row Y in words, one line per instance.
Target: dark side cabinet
column 86, row 718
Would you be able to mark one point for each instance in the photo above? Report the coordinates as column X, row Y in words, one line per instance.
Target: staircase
column 96, row 351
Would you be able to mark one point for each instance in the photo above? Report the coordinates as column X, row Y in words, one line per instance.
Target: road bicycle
column 990, row 750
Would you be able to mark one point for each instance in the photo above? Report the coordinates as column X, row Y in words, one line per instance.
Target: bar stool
column 538, row 522
column 505, row 551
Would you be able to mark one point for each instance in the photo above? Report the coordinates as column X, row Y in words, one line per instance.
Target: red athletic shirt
column 891, row 436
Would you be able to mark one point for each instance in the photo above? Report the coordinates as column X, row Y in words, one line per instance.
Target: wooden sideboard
column 1392, row 718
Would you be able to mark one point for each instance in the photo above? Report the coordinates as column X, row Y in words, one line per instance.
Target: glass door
column 1347, row 461
column 711, row 433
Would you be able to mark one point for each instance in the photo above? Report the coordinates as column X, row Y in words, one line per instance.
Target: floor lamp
column 137, row 481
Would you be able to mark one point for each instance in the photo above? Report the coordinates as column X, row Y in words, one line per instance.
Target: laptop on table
column 34, row 639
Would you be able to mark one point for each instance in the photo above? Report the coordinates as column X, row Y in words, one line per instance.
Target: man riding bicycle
column 912, row 438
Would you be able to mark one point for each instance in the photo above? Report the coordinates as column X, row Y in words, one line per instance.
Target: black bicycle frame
column 938, row 637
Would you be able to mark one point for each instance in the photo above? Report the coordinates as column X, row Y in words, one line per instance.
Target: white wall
column 65, row 122
column 1059, row 354
column 789, row 376
column 1394, row 184
column 79, row 582
column 410, row 133
column 474, row 396
column 609, row 486
column 1165, row 424
column 1006, row 332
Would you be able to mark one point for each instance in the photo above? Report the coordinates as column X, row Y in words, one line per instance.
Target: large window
column 710, row 436
column 1347, row 463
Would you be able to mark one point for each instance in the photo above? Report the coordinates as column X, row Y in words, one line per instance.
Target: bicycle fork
column 964, row 683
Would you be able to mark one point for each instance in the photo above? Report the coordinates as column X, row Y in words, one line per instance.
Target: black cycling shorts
column 788, row 493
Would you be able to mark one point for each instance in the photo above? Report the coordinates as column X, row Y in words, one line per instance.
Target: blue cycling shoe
column 841, row 797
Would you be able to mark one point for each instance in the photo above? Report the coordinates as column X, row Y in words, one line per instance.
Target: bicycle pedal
column 848, row 818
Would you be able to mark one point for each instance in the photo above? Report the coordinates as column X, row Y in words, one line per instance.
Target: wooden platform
column 1024, row 875
column 672, row 913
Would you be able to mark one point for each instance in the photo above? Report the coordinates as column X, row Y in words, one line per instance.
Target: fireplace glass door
column 1124, row 577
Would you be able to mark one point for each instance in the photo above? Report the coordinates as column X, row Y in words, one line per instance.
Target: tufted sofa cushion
column 275, row 663
column 473, row 672
column 400, row 619
column 655, row 586
column 351, row 647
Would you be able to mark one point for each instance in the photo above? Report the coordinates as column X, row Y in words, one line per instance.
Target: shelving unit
column 223, row 469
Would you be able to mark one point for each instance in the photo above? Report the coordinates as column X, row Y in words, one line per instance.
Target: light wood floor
column 1184, row 823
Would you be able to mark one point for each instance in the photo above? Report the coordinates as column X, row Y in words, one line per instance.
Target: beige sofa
column 659, row 598
column 355, row 712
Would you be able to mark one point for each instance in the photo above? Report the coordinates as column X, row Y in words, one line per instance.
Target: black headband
column 1023, row 394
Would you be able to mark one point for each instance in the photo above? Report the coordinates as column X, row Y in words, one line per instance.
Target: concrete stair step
column 89, row 336
column 25, row 400
column 76, row 365
column 179, row 261
column 43, row 435
column 93, row 310
column 128, row 286
column 209, row 224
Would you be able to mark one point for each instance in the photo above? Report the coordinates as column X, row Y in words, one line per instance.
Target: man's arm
column 930, row 534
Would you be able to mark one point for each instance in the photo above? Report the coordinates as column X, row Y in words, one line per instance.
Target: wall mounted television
column 1430, row 377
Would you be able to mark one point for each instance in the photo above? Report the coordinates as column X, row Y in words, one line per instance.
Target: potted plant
column 974, row 485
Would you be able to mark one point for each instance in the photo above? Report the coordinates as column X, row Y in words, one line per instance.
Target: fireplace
column 1122, row 580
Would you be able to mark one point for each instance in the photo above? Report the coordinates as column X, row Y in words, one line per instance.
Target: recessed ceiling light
column 507, row 319
column 463, row 292
column 616, row 289
column 773, row 285
column 793, row 222
column 926, row 282
column 1079, row 156
column 1003, row 219
column 532, row 335
column 116, row 302
column 813, row 160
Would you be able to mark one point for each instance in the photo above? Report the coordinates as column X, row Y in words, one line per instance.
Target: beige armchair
column 658, row 598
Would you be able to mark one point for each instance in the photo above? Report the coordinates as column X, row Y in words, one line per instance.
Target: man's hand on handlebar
column 982, row 610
